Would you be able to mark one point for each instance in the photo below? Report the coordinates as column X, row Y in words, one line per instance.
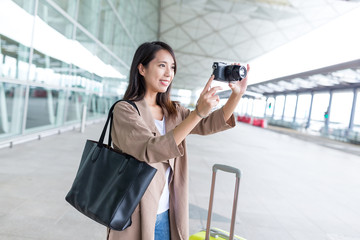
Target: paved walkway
column 292, row 189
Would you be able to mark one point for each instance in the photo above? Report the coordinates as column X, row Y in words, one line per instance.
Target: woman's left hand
column 239, row 87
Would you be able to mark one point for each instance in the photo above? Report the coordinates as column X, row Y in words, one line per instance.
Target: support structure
column 353, row 108
column 283, row 112
column 310, row 110
column 296, row 106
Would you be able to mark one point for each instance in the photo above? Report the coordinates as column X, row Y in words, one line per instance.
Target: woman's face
column 159, row 73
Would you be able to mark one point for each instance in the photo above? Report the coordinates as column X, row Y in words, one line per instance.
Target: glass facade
column 71, row 56
column 298, row 111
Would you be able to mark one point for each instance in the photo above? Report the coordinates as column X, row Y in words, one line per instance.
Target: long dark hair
column 137, row 88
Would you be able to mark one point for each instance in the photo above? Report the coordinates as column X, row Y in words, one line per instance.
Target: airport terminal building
column 65, row 62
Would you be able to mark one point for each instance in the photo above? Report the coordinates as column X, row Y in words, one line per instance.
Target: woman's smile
column 165, row 82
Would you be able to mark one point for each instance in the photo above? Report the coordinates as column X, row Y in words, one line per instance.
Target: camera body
column 227, row 73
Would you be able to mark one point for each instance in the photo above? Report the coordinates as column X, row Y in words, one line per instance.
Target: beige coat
column 138, row 136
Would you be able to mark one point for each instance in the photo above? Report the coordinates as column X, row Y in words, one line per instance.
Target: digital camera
column 228, row 73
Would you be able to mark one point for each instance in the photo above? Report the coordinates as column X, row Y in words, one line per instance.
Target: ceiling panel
column 204, row 31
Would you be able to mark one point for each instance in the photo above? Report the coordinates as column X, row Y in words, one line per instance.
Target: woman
column 157, row 136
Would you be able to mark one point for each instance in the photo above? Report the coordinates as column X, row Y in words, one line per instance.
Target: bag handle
column 110, row 119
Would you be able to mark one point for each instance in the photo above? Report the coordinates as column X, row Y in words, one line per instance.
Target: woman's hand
column 208, row 99
column 205, row 103
column 239, row 87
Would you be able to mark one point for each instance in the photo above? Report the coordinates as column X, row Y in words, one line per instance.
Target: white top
column 165, row 196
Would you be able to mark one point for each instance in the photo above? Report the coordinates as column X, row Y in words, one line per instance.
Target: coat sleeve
column 213, row 123
column 131, row 135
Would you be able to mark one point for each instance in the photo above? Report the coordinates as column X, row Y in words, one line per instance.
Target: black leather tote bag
column 109, row 184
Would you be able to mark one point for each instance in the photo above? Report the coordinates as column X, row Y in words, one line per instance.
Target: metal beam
column 324, row 70
column 316, row 89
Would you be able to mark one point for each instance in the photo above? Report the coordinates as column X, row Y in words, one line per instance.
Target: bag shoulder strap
column 122, row 100
column 110, row 120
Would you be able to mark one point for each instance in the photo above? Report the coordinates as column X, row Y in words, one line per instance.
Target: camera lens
column 242, row 72
column 235, row 73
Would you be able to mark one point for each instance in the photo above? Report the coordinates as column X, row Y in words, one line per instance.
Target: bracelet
column 197, row 112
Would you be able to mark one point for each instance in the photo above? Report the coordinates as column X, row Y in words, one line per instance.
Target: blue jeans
column 162, row 226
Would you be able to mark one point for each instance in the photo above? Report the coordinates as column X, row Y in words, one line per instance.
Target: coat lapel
column 149, row 120
column 169, row 125
column 147, row 116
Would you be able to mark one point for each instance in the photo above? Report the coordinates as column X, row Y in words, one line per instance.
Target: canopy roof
column 204, row 31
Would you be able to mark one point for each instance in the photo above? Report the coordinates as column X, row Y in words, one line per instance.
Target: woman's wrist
column 237, row 95
column 198, row 113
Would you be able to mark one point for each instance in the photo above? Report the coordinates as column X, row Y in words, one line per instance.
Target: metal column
column 27, row 90
column 266, row 106
column 272, row 117
column 4, row 123
column 283, row 112
column 326, row 122
column 309, row 118
column 352, row 116
column 296, row 105
column 247, row 106
column 252, row 106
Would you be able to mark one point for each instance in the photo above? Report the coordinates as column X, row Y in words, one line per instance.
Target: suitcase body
column 215, row 233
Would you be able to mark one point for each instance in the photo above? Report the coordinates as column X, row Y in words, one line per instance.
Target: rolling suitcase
column 215, row 233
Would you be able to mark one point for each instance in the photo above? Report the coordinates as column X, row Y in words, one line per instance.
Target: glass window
column 48, row 70
column 88, row 15
column 123, row 45
column 290, row 108
column 75, row 106
column 102, row 105
column 357, row 113
column 45, row 108
column 11, row 108
column 242, row 107
column 341, row 109
column 27, row 5
column 303, row 108
column 54, row 19
column 91, row 106
column 14, row 62
column 148, row 21
column 280, row 100
column 87, row 42
column 259, row 108
column 108, row 22
column 320, row 106
column 270, row 106
column 69, row 6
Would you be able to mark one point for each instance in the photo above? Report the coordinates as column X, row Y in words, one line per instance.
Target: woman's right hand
column 208, row 99
column 205, row 103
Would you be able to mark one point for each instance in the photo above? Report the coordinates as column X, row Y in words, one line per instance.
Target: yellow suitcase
column 215, row 233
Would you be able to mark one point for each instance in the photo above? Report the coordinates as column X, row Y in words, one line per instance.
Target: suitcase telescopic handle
column 229, row 169
column 226, row 168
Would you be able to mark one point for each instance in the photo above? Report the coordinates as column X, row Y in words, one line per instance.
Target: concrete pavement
column 291, row 189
